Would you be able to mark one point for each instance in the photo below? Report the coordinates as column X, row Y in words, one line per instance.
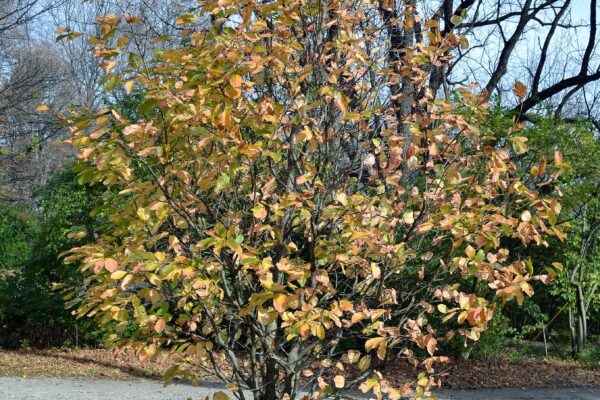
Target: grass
column 524, row 350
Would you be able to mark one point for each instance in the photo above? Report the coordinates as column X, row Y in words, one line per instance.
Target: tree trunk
column 574, row 336
column 270, row 381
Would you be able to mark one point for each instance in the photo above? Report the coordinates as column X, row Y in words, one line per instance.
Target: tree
column 14, row 13
column 578, row 283
column 551, row 45
column 31, row 241
column 286, row 199
column 16, row 233
column 32, row 80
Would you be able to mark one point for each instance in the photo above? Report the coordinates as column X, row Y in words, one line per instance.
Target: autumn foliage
column 297, row 200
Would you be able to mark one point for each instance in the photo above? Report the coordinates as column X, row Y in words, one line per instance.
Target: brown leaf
column 520, row 90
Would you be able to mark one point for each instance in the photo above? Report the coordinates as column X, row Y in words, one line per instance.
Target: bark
column 509, row 46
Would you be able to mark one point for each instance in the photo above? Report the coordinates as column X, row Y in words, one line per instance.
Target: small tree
column 298, row 192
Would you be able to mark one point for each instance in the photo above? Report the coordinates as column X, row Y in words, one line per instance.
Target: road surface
column 97, row 389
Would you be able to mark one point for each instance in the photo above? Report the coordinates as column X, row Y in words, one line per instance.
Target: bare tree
column 26, row 131
column 14, row 13
column 550, row 45
column 37, row 70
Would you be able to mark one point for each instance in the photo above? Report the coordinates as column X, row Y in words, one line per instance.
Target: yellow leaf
column 265, row 317
column 155, row 280
column 174, row 243
column 41, row 107
column 558, row 266
column 373, row 342
column 346, row 305
column 341, row 101
column 187, row 18
column 424, row 227
column 108, row 19
column 142, row 214
column 526, row 216
column 320, row 332
column 470, row 252
column 519, row 144
column 364, row 363
column 118, row 275
column 133, row 129
column 408, row 217
column 225, row 118
column 375, row 271
column 302, row 179
column 77, row 235
column 339, row 381
column 220, row 396
column 455, row 20
column 126, row 281
column 233, row 92
column 351, row 357
column 304, row 135
column 129, row 86
column 368, row 385
column 381, row 350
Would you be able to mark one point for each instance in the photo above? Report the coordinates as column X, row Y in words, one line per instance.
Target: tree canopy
column 294, row 186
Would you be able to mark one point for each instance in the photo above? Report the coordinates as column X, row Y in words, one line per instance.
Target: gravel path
column 96, row 389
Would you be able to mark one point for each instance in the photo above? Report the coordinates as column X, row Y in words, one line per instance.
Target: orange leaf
column 110, row 264
column 159, row 327
column 430, row 343
column 558, row 158
column 259, row 211
column 236, row 81
column 519, row 90
column 279, row 302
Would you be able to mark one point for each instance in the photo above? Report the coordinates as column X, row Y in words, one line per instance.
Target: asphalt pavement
column 12, row 388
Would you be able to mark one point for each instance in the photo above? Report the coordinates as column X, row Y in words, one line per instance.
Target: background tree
column 578, row 283
column 31, row 76
column 29, row 309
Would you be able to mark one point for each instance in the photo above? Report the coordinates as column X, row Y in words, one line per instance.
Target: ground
column 12, row 388
column 460, row 374
column 93, row 374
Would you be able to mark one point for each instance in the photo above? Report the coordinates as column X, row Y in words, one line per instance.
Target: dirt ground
column 470, row 374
